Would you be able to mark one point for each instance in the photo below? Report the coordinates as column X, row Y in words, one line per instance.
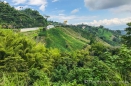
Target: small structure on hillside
column 50, row 26
column 65, row 22
column 83, row 27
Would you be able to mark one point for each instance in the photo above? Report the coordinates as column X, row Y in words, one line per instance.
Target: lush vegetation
column 64, row 39
column 12, row 18
column 127, row 37
column 24, row 62
column 70, row 37
column 90, row 61
column 98, row 33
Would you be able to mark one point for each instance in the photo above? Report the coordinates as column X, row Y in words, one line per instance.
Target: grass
column 61, row 38
column 67, row 39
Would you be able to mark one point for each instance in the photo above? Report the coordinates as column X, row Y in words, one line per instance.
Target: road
column 29, row 29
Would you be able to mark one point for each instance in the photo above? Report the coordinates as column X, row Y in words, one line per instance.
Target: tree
column 126, row 39
column 23, row 18
column 19, row 54
column 98, row 48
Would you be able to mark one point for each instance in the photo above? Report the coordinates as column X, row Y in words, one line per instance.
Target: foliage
column 24, row 62
column 38, row 78
column 12, row 18
column 69, row 38
column 59, row 38
column 98, row 48
column 34, row 64
column 127, row 37
column 15, row 48
column 97, row 34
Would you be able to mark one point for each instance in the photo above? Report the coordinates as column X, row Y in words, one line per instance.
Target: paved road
column 29, row 29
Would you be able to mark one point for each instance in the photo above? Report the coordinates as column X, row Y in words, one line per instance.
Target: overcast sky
column 113, row 14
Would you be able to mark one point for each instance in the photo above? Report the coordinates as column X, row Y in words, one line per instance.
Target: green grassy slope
column 64, row 39
column 104, row 34
column 74, row 38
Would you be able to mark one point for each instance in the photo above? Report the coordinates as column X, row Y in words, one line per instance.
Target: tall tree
column 126, row 39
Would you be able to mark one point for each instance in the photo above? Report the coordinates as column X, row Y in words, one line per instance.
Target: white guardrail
column 28, row 29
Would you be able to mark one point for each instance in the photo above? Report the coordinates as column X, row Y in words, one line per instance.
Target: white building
column 50, row 26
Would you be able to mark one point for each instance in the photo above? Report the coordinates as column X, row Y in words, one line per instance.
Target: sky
column 112, row 14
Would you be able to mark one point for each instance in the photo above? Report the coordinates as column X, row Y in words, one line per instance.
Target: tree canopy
column 12, row 18
column 126, row 39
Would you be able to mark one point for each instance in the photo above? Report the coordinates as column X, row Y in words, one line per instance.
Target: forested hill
column 71, row 37
column 12, row 18
column 23, row 62
column 94, row 34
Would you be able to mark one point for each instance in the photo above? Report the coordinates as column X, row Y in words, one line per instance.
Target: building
column 50, row 26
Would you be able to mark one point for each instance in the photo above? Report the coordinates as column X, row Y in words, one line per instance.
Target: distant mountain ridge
column 123, row 32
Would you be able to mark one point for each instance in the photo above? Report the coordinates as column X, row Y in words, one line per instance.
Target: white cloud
column 41, row 3
column 42, row 7
column 72, row 19
column 62, row 17
column 110, row 22
column 61, row 14
column 19, row 1
column 75, row 11
column 37, row 2
column 5, row 1
column 58, row 11
column 105, row 4
column 55, row 0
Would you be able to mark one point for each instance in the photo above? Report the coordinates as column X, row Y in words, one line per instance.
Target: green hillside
column 70, row 38
column 67, row 55
column 93, row 33
column 12, row 18
column 64, row 39
column 24, row 62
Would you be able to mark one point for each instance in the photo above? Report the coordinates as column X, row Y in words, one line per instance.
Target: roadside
column 28, row 29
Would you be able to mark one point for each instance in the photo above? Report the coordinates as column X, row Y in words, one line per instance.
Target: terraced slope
column 64, row 39
column 74, row 38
